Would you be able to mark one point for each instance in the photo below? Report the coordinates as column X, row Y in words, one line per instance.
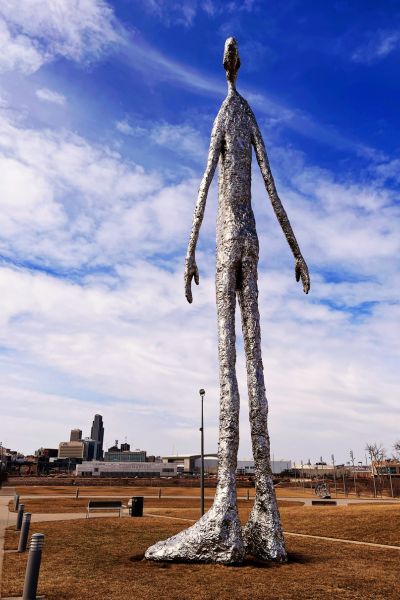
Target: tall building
column 76, row 435
column 90, row 448
column 97, row 434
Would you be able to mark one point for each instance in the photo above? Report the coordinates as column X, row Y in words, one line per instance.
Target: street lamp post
column 354, row 472
column 390, row 480
column 202, row 394
column 334, row 474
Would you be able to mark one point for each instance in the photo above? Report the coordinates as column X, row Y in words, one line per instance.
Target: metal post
column 202, row 393
column 33, row 567
column 16, row 502
column 391, row 484
column 373, row 475
column 23, row 536
column 20, row 515
column 354, row 473
column 77, row 493
column 159, row 493
column 344, row 485
column 248, row 495
column 334, row 474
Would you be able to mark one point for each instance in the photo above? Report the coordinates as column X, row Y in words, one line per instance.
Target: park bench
column 104, row 505
column 323, row 502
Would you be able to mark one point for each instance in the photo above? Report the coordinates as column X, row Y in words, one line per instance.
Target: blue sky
column 105, row 115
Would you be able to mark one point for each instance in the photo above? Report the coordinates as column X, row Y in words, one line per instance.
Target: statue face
column 231, row 60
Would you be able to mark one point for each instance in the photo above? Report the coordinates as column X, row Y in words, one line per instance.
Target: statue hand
column 191, row 271
column 301, row 270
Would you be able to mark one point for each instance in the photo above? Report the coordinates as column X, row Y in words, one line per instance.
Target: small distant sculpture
column 322, row 490
column 218, row 535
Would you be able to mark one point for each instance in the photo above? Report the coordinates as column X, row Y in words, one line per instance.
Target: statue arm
column 301, row 270
column 191, row 270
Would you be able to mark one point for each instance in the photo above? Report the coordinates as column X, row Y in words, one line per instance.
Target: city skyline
column 105, row 117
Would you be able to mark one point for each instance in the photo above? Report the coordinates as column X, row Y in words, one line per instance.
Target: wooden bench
column 323, row 502
column 104, row 505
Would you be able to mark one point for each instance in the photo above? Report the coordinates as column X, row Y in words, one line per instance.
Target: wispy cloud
column 184, row 12
column 50, row 96
column 37, row 32
column 158, row 67
column 95, row 246
column 378, row 45
column 181, row 138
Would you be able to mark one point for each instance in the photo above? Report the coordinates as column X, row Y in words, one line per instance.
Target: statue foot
column 262, row 534
column 215, row 538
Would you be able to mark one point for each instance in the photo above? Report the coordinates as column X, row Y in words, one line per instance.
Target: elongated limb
column 263, row 535
column 301, row 269
column 217, row 536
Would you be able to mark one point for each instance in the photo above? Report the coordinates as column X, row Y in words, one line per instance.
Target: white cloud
column 379, row 45
column 18, row 52
column 120, row 339
column 40, row 30
column 180, row 138
column 50, row 96
column 184, row 12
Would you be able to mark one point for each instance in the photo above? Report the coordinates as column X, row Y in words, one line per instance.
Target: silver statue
column 218, row 535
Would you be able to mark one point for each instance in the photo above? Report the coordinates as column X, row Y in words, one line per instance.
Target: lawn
column 102, row 559
column 128, row 491
column 59, row 505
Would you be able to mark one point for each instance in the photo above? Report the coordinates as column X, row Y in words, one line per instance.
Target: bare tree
column 396, row 448
column 377, row 454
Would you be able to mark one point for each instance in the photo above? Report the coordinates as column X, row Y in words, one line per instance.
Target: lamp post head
column 202, row 392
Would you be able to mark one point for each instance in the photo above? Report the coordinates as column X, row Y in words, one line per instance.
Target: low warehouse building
column 97, row 468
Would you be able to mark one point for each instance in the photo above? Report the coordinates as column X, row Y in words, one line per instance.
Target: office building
column 76, row 435
column 90, row 448
column 97, row 434
column 124, row 469
column 125, row 456
column 71, row 450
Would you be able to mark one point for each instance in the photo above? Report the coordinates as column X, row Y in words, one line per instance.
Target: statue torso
column 235, row 215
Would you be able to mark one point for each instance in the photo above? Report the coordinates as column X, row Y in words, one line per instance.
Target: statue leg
column 262, row 534
column 217, row 536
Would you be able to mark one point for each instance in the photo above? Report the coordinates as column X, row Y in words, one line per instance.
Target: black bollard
column 33, row 567
column 137, row 506
column 16, row 502
column 23, row 536
column 20, row 515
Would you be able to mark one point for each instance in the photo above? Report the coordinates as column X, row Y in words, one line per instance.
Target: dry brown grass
column 71, row 505
column 124, row 491
column 378, row 524
column 102, row 559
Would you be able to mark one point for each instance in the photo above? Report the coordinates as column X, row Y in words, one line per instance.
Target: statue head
column 231, row 60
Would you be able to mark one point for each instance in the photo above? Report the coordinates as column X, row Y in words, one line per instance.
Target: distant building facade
column 125, row 456
column 191, row 463
column 71, row 450
column 96, row 468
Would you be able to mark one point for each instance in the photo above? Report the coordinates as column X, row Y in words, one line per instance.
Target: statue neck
column 231, row 88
